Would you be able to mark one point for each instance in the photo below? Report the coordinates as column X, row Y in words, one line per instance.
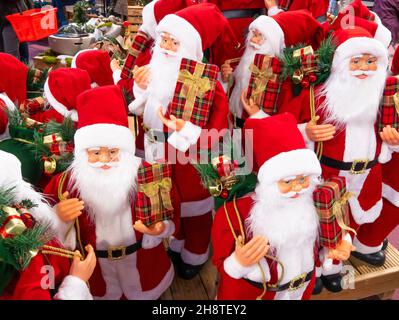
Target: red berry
column 126, row 24
column 305, row 84
column 312, row 78
column 224, row 194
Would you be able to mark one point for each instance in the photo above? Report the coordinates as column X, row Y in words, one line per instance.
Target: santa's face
column 169, row 43
column 256, row 39
column 103, row 157
column 293, row 187
column 361, row 66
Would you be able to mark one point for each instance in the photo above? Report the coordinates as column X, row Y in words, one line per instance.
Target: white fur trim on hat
column 291, row 163
column 104, row 135
column 149, row 22
column 383, row 35
column 360, row 45
column 272, row 32
column 73, row 63
column 58, row 106
column 184, row 32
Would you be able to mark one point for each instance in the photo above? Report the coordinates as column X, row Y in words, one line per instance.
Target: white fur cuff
column 150, row 242
column 190, row 132
column 116, row 75
column 178, row 142
column 273, row 11
column 259, row 115
column 235, row 270
column 73, row 288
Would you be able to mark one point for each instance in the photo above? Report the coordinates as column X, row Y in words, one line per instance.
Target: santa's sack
column 194, row 92
column 154, row 187
column 389, row 107
column 265, row 82
column 331, row 202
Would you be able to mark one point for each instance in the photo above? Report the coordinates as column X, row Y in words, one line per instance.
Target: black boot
column 384, row 244
column 318, row 286
column 332, row 282
column 174, row 257
column 188, row 271
column 376, row 259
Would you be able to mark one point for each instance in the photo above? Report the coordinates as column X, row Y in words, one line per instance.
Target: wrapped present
column 154, row 199
column 141, row 41
column 308, row 61
column 264, row 83
column 194, row 92
column 389, row 107
column 331, row 201
column 12, row 223
column 32, row 106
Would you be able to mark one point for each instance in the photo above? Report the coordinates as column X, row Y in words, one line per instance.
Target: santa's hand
column 342, row 251
column 141, row 76
column 226, row 71
column 249, row 105
column 173, row 123
column 390, row 136
column 115, row 65
column 69, row 209
column 250, row 253
column 84, row 269
column 270, row 4
column 318, row 133
column 153, row 230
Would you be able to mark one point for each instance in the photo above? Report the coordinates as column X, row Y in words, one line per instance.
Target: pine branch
column 15, row 117
column 66, row 129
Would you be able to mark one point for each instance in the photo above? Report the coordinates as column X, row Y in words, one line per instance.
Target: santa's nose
column 296, row 187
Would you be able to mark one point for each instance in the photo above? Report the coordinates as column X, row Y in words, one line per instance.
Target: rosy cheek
column 284, row 188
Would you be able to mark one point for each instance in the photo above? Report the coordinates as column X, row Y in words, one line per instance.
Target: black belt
column 117, row 253
column 242, row 13
column 355, row 167
column 294, row 284
column 238, row 122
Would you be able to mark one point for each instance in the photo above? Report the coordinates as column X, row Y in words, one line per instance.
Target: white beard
column 164, row 74
column 290, row 225
column 242, row 73
column 349, row 99
column 104, row 192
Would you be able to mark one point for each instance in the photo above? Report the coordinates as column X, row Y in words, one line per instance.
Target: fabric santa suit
column 195, row 34
column 26, row 285
column 278, row 34
column 146, row 273
column 353, row 141
column 276, row 156
column 395, row 62
column 12, row 88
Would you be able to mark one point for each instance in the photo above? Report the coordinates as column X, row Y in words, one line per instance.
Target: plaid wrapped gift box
column 140, row 42
column 194, row 92
column 264, row 83
column 389, row 108
column 154, row 199
column 331, row 201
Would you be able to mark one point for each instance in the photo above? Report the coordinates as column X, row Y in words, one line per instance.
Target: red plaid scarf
column 389, row 107
column 198, row 110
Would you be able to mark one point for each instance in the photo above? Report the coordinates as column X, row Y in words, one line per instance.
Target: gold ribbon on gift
column 13, row 224
column 339, row 210
column 51, row 138
column 159, row 194
column 396, row 101
column 261, row 78
column 194, row 85
column 32, row 123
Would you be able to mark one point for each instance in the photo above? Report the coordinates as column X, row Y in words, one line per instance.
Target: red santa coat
column 350, row 143
column 224, row 245
column 143, row 275
column 3, row 117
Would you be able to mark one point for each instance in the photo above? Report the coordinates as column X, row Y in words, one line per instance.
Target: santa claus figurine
column 99, row 193
column 44, row 272
column 265, row 244
column 185, row 34
column 395, row 63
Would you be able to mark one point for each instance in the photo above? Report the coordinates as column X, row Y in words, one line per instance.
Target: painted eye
column 356, row 61
column 287, row 182
column 302, row 180
column 96, row 153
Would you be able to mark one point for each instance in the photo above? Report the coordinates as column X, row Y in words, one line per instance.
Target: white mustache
column 100, row 164
column 294, row 193
column 169, row 52
column 255, row 45
column 361, row 72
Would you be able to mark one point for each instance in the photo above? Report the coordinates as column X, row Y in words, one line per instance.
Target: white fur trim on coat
column 188, row 135
column 149, row 23
column 149, row 242
column 359, row 45
column 58, row 106
column 235, row 270
column 365, row 249
column 73, row 288
column 184, row 32
column 10, row 105
column 194, row 259
column 197, row 208
column 272, row 32
column 292, row 163
column 116, row 75
column 390, row 194
column 361, row 216
column 104, row 135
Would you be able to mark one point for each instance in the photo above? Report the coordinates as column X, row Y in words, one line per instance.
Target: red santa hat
column 103, row 120
column 97, row 64
column 156, row 10
column 62, row 88
column 356, row 41
column 10, row 168
column 199, row 27
column 279, row 149
column 289, row 28
column 13, row 76
column 361, row 13
column 395, row 62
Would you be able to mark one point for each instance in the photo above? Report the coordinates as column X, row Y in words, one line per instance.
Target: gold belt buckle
column 294, row 285
column 120, row 248
column 356, row 162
